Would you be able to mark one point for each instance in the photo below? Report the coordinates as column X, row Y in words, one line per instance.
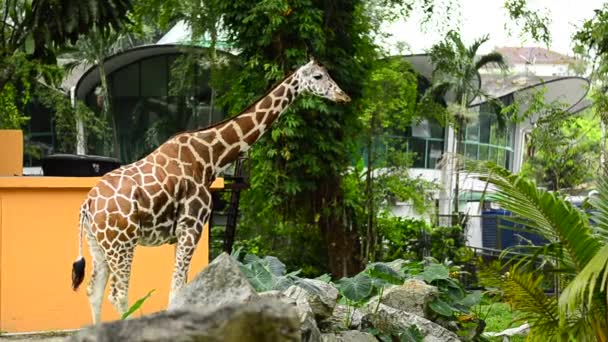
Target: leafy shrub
column 404, row 237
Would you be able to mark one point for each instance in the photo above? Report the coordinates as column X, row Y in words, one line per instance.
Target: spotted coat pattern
column 164, row 197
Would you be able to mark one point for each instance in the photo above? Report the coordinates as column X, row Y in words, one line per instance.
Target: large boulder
column 309, row 330
column 349, row 336
column 266, row 319
column 221, row 283
column 413, row 296
column 320, row 295
column 340, row 317
column 392, row 321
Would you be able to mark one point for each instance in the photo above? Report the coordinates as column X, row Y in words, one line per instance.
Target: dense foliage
column 31, row 33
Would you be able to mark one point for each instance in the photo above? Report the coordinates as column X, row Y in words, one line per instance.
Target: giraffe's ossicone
column 164, row 197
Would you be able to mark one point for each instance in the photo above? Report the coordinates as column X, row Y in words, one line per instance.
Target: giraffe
column 164, row 198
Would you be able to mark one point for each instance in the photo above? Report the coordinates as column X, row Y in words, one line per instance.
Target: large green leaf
column 356, row 288
column 383, row 271
column 441, row 307
column 471, row 299
column 259, row 276
column 434, row 272
column 274, row 265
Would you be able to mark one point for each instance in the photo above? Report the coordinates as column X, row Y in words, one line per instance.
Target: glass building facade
column 145, row 111
column 486, row 140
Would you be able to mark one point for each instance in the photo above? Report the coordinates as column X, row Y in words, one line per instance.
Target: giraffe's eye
column 318, row 77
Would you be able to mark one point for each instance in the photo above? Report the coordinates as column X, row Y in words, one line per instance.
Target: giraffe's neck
column 242, row 131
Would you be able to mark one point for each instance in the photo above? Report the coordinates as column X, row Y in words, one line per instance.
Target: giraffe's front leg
column 188, row 236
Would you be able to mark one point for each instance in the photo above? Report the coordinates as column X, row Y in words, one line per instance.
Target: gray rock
column 220, row 283
column 322, row 296
column 337, row 321
column 308, row 326
column 264, row 320
column 391, row 320
column 413, row 296
column 349, row 336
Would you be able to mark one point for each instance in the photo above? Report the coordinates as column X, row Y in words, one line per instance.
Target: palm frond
column 495, row 58
column 581, row 290
column 523, row 290
column 472, row 51
column 600, row 204
column 546, row 214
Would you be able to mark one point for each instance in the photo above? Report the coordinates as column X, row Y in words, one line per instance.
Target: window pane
column 422, row 130
column 471, row 151
column 436, row 129
column 483, row 152
column 492, row 154
column 154, row 76
column 418, row 146
column 473, row 132
column 500, row 157
column 125, row 82
column 436, row 150
column 484, row 128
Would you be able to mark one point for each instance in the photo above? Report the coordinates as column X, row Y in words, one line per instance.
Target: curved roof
column 570, row 90
column 86, row 78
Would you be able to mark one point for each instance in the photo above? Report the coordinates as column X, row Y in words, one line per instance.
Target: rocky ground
column 220, row 305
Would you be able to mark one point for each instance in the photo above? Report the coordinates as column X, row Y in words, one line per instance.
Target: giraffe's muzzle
column 341, row 97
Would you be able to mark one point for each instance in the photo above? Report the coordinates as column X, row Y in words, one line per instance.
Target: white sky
column 479, row 17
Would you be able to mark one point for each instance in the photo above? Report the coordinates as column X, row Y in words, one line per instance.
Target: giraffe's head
column 314, row 79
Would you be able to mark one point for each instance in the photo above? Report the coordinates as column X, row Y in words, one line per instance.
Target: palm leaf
column 472, row 51
column 495, row 58
column 547, row 215
column 524, row 292
column 600, row 215
column 581, row 290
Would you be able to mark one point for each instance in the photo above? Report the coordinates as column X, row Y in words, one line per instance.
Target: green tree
column 591, row 43
column 566, row 152
column 31, row 31
column 389, row 105
column 456, row 78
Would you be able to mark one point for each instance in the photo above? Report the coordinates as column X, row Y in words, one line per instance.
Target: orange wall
column 39, row 242
column 11, row 153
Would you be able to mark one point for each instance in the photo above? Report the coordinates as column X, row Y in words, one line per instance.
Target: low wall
column 39, row 242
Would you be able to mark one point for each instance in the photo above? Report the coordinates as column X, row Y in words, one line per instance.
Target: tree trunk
column 341, row 239
column 370, row 244
column 107, row 109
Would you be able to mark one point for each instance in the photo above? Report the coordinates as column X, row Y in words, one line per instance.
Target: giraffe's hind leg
column 187, row 240
column 99, row 279
column 119, row 260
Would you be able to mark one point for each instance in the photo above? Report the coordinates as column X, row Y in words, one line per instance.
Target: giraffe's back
column 134, row 202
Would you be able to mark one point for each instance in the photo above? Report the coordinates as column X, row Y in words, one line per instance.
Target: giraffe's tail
column 78, row 266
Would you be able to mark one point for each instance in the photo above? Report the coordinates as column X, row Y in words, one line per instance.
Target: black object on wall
column 76, row 165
